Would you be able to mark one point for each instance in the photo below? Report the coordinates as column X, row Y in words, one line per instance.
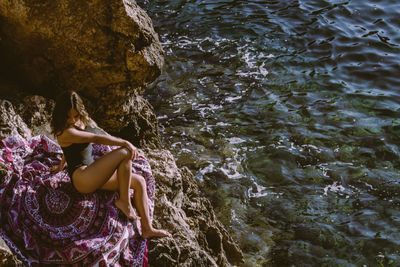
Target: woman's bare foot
column 151, row 232
column 127, row 209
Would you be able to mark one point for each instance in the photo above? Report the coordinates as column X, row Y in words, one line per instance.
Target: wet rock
column 199, row 239
column 102, row 49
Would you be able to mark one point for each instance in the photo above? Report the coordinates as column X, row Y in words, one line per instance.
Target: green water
column 287, row 112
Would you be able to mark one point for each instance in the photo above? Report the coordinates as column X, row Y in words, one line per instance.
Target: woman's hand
column 132, row 148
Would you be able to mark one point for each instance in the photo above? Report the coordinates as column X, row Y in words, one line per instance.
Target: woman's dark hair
column 66, row 101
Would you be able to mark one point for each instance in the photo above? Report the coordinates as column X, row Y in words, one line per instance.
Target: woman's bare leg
column 88, row 179
column 112, row 183
column 141, row 203
column 142, row 206
column 124, row 181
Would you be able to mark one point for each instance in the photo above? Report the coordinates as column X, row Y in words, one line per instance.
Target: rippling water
column 288, row 114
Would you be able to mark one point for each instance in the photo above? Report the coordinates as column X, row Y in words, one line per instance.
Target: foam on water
column 232, row 98
column 253, row 63
column 333, row 188
column 231, row 170
column 236, row 140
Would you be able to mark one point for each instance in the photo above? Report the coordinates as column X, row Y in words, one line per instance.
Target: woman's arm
column 72, row 135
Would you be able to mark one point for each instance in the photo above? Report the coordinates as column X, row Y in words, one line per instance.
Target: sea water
column 287, row 112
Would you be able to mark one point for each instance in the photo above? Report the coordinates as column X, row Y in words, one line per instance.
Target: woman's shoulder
column 61, row 135
column 72, row 131
column 72, row 135
column 69, row 131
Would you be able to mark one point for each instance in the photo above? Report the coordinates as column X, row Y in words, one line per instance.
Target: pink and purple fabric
column 45, row 221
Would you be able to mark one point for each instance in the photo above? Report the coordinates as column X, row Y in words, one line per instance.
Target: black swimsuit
column 78, row 154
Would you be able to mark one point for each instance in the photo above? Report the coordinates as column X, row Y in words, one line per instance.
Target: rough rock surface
column 36, row 113
column 102, row 49
column 199, row 239
column 28, row 117
column 6, row 256
column 137, row 119
column 11, row 123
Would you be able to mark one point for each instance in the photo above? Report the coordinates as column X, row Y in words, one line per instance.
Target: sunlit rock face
column 102, row 49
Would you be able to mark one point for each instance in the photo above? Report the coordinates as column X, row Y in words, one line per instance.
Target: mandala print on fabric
column 45, row 221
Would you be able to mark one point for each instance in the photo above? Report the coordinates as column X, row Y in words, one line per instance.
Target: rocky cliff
column 108, row 52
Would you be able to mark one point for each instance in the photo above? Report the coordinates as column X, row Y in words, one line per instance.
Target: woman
column 72, row 127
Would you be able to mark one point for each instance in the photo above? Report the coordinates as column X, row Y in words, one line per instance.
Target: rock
column 36, row 112
column 7, row 258
column 199, row 239
column 27, row 118
column 134, row 119
column 3, row 173
column 102, row 49
column 11, row 123
column 32, row 116
column 84, row 45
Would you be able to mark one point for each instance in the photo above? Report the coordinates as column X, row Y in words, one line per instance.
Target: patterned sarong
column 45, row 221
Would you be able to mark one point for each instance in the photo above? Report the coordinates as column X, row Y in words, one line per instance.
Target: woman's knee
column 138, row 180
column 127, row 154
